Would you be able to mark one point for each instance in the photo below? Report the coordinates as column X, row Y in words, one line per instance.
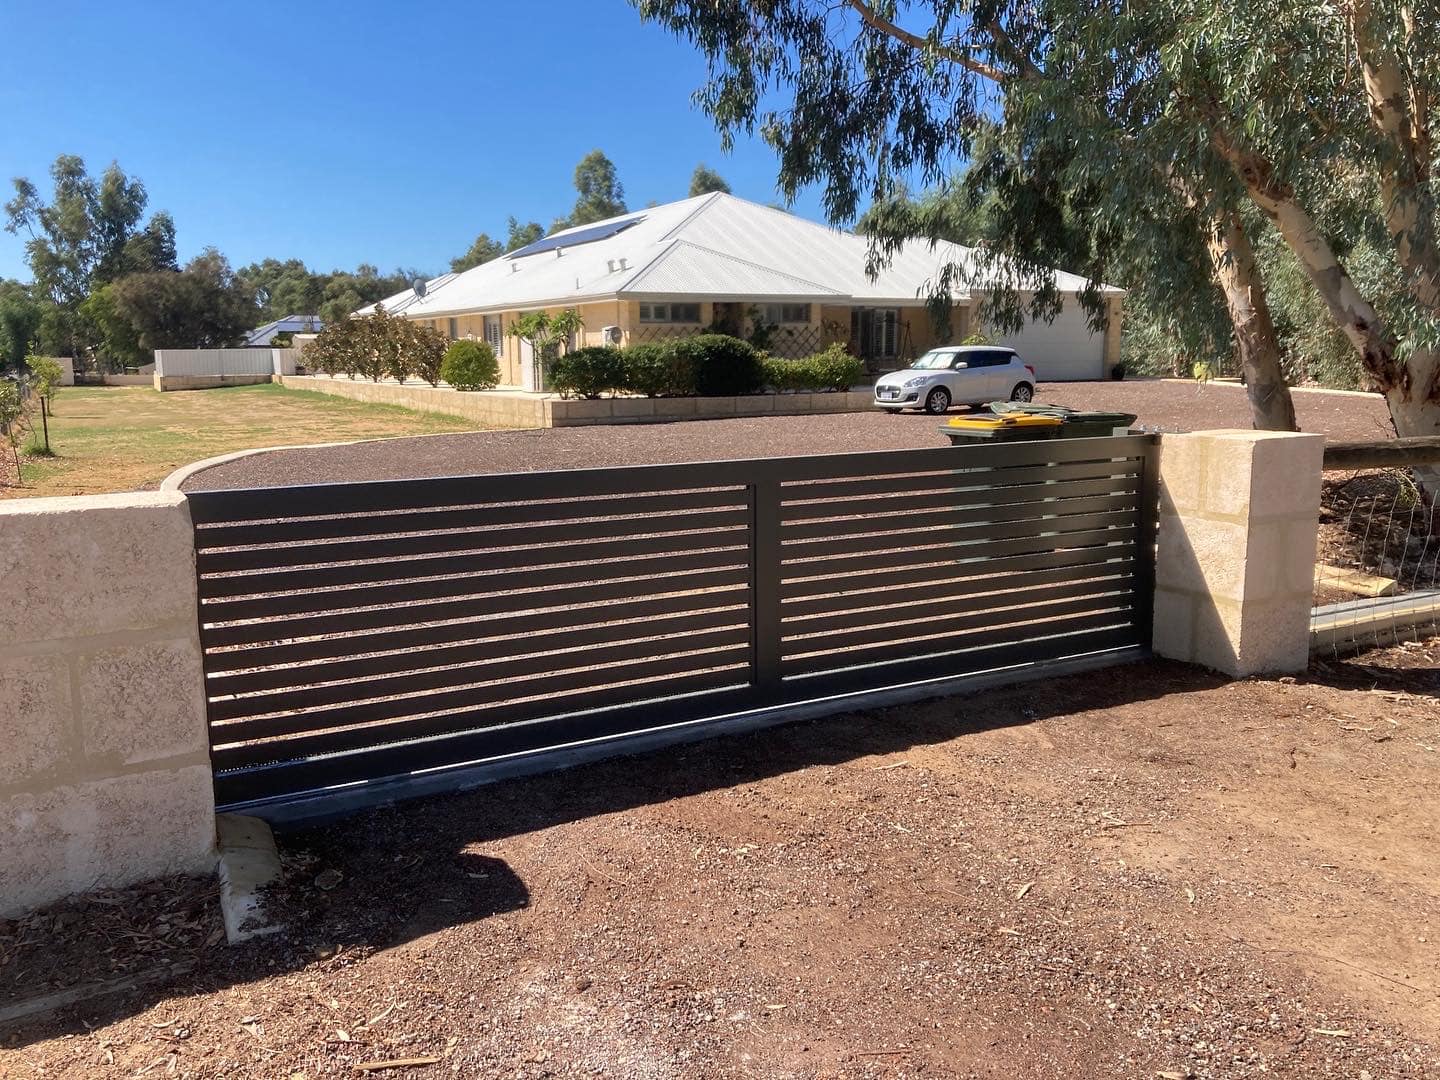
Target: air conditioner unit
column 612, row 335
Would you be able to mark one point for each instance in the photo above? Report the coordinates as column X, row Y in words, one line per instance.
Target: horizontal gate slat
column 885, row 522
column 643, row 574
column 854, row 615
column 1020, row 622
column 432, row 543
column 473, row 741
column 976, row 589
column 514, row 559
column 292, row 530
column 874, row 574
column 489, row 618
column 888, row 502
column 361, row 666
column 1084, row 538
column 895, row 544
column 407, row 680
column 877, row 653
column 383, row 728
column 961, row 484
column 1010, row 654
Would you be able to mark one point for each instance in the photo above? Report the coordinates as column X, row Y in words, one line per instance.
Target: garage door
column 1063, row 349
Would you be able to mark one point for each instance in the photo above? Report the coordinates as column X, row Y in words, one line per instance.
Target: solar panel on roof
column 577, row 236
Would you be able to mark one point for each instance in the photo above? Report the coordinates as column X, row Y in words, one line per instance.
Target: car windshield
column 934, row 360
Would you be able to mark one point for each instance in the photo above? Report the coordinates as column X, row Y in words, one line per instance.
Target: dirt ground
column 1160, row 405
column 1141, row 872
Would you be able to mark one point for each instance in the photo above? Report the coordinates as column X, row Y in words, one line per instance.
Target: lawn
column 127, row 438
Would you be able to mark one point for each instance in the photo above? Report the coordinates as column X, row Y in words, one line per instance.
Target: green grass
column 124, row 438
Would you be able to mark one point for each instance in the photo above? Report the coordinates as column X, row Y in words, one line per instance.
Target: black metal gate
column 361, row 632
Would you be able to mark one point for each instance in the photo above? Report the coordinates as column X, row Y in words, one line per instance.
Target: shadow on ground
column 393, row 876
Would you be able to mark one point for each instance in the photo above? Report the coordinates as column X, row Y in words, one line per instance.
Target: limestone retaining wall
column 513, row 408
column 105, row 774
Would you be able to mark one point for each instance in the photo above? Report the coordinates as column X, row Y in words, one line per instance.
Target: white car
column 957, row 375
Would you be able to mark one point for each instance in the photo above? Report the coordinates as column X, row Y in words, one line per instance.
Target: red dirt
column 1139, row 872
column 1160, row 405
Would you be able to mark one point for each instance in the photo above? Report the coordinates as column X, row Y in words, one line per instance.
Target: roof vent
column 559, row 252
column 514, row 268
column 611, row 265
column 623, row 265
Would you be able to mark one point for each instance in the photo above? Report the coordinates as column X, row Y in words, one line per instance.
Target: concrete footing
column 249, row 863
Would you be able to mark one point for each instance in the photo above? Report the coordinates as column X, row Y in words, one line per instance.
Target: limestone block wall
column 105, row 775
column 1235, row 558
column 518, row 409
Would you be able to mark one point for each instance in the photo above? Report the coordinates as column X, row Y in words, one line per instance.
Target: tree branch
column 874, row 20
column 1404, row 163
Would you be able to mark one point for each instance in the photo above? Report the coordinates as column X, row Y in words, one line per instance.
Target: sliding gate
column 360, row 632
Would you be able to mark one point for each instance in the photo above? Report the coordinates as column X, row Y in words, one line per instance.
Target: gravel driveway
column 1168, row 406
column 1143, row 872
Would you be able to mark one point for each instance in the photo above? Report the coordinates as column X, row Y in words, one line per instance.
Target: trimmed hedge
column 588, row 372
column 833, row 369
column 724, row 366
column 470, row 365
column 658, row 370
column 707, row 365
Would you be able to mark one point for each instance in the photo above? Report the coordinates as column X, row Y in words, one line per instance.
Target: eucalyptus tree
column 1148, row 117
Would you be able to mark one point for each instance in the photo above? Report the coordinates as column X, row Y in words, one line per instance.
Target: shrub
column 426, row 349
column 588, row 372
column 833, row 369
column 724, row 366
column 470, row 365
column 658, row 370
column 781, row 375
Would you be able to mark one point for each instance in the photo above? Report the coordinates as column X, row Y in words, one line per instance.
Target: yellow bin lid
column 1009, row 420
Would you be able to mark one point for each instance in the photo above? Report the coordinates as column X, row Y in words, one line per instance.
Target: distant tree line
column 108, row 288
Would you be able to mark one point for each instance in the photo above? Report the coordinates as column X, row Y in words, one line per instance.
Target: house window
column 885, row 336
column 454, row 329
column 670, row 313
column 787, row 313
column 493, row 335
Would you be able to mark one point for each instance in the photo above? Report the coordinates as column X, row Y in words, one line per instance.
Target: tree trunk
column 1237, row 273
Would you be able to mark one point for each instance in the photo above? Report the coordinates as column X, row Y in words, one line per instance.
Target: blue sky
column 342, row 133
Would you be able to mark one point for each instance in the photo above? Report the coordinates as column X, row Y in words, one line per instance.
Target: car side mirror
column 961, row 365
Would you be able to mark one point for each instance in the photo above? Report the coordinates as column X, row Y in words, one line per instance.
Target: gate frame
column 751, row 712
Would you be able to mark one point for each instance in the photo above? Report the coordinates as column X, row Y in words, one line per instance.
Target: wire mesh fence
column 1377, row 564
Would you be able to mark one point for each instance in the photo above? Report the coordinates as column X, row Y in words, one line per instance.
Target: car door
column 972, row 382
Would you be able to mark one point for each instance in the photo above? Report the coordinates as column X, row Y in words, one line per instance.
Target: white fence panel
column 214, row 362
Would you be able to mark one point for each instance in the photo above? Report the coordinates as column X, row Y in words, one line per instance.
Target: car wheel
column 937, row 401
column 1023, row 392
column 893, row 412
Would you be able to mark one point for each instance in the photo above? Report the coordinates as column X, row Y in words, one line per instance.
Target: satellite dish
column 419, row 286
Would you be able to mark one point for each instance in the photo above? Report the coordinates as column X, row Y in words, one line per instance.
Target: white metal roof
column 711, row 246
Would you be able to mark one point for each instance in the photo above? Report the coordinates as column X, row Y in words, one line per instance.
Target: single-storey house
column 290, row 324
column 724, row 262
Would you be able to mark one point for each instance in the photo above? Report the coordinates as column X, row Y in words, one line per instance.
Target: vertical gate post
column 1234, row 569
column 765, row 584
